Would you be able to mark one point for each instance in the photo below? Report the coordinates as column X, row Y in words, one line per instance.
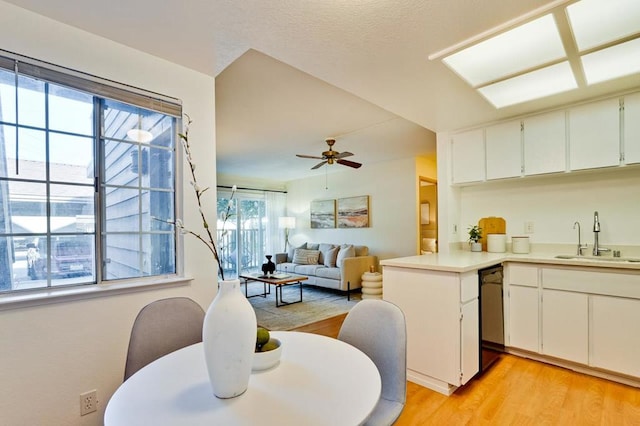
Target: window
column 87, row 179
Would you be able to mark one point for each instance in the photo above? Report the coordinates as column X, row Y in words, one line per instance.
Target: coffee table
column 278, row 280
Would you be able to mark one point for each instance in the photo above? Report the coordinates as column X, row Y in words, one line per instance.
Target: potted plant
column 475, row 234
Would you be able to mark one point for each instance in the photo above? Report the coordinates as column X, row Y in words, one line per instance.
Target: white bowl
column 264, row 360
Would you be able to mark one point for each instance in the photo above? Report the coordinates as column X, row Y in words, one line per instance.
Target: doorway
column 428, row 216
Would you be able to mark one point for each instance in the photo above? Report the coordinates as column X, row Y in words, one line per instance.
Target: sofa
column 338, row 267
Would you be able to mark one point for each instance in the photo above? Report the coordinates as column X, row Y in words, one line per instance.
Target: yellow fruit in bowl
column 262, row 337
column 268, row 356
column 270, row 345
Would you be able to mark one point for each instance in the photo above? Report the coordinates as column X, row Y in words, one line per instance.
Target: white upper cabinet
column 589, row 136
column 632, row 129
column 504, row 150
column 468, row 158
column 594, row 135
column 545, row 143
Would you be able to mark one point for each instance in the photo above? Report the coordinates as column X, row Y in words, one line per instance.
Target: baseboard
column 430, row 383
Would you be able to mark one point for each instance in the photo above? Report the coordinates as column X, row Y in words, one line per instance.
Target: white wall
column 392, row 188
column 553, row 204
column 50, row 354
column 448, row 198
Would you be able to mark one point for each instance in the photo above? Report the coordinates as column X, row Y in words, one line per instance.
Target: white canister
column 520, row 245
column 496, row 243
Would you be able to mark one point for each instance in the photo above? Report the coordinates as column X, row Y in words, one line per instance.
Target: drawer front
column 469, row 285
column 594, row 282
column 524, row 275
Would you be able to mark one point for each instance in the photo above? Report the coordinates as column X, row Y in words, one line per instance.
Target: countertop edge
column 461, row 262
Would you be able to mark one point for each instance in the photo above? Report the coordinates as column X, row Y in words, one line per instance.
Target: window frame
column 102, row 89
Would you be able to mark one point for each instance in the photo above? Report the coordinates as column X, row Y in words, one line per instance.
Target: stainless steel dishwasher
column 491, row 315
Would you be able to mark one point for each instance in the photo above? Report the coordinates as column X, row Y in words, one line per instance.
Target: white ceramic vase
column 229, row 339
column 476, row 247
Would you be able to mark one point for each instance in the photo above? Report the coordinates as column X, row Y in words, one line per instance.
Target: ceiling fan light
column 332, row 157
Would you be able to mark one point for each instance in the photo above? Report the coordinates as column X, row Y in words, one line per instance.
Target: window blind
column 92, row 84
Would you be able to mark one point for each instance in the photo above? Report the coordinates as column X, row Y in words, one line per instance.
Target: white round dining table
column 318, row 381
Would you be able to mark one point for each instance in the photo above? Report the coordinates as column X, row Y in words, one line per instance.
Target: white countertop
column 463, row 261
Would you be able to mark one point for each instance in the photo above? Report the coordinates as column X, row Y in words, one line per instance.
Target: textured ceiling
column 268, row 111
column 365, row 53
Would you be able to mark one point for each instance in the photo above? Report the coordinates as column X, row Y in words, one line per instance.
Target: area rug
column 317, row 304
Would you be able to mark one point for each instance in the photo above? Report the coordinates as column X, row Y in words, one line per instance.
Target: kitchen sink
column 598, row 258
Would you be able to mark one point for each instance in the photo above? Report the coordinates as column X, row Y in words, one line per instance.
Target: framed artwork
column 424, row 214
column 353, row 212
column 323, row 214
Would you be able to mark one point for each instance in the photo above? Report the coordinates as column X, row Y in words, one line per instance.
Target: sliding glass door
column 242, row 237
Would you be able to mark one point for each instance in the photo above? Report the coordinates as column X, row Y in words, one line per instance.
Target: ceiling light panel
column 613, row 62
column 547, row 81
column 596, row 22
column 530, row 45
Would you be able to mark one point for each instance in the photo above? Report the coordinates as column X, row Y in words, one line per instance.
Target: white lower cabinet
column 524, row 318
column 585, row 315
column 441, row 311
column 469, row 340
column 565, row 325
column 614, row 335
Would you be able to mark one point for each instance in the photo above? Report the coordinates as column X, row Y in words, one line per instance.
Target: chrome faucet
column 596, row 230
column 580, row 246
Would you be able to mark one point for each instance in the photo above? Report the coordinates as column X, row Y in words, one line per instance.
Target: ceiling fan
column 331, row 156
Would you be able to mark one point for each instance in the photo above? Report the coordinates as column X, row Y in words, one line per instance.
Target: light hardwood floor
column 516, row 391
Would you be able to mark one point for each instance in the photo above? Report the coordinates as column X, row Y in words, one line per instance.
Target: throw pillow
column 306, row 257
column 362, row 250
column 346, row 250
column 330, row 257
column 323, row 250
column 291, row 251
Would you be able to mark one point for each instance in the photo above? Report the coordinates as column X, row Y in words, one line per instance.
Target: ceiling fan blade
column 349, row 163
column 309, row 156
column 317, row 166
column 344, row 154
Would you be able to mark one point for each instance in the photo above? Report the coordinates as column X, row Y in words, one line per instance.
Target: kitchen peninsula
column 586, row 322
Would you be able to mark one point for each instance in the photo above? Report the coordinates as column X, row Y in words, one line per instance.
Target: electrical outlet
column 528, row 227
column 88, row 402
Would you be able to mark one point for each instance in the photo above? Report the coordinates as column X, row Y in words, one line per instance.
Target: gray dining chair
column 162, row 327
column 378, row 329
